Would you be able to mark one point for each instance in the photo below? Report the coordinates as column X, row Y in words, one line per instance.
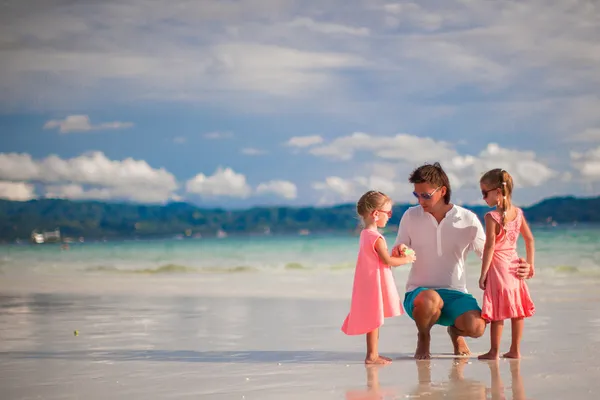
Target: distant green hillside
column 97, row 219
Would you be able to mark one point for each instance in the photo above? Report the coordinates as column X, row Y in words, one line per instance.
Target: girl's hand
column 482, row 280
column 398, row 251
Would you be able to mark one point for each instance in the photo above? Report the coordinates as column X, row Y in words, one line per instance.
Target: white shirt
column 441, row 249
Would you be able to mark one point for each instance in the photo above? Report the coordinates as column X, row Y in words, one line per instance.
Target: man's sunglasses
column 426, row 196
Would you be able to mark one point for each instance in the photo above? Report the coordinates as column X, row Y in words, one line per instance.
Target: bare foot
column 378, row 360
column 459, row 343
column 512, row 354
column 490, row 355
column 423, row 345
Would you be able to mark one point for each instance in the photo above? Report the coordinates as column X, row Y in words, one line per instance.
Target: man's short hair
column 434, row 175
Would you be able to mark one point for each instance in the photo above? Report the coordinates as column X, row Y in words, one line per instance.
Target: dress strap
column 496, row 216
column 519, row 218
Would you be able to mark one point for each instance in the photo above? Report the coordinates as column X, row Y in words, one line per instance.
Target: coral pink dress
column 374, row 293
column 505, row 295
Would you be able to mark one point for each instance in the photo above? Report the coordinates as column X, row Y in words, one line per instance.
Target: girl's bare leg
column 495, row 336
column 373, row 356
column 517, row 325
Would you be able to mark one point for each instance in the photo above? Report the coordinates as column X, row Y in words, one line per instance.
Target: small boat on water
column 45, row 237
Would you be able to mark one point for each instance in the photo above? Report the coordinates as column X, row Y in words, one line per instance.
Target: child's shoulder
column 497, row 215
column 370, row 235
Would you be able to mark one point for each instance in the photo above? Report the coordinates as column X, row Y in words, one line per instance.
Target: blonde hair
column 500, row 179
column 371, row 201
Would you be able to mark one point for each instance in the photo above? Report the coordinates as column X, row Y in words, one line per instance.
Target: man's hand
column 398, row 251
column 524, row 269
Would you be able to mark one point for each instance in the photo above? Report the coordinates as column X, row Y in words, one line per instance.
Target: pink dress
column 374, row 293
column 505, row 295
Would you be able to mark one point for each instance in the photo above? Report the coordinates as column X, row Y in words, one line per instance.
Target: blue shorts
column 456, row 303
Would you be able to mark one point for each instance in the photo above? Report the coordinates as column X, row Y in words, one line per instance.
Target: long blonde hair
column 500, row 179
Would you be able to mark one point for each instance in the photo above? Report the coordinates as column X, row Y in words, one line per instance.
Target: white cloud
column 524, row 167
column 16, row 191
column 587, row 163
column 278, row 70
column 328, row 28
column 405, row 152
column 400, row 147
column 253, row 53
column 79, row 192
column 126, row 179
column 218, row 135
column 335, row 189
column 224, row 182
column 284, row 189
column 81, row 123
column 179, row 140
column 304, row 141
column 250, row 151
column 588, row 135
column 413, row 150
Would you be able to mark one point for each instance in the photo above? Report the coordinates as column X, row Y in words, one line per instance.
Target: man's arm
column 402, row 237
column 478, row 243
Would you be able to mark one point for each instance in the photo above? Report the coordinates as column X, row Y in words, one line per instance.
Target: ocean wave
column 294, row 266
column 581, row 271
column 343, row 266
column 171, row 269
column 566, row 269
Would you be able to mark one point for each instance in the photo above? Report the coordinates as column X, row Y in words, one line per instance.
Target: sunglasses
column 485, row 193
column 389, row 213
column 426, row 196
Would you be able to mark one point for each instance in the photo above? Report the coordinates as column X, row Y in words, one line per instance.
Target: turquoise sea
column 574, row 250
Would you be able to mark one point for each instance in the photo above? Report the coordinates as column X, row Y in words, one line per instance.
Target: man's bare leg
column 458, row 342
column 427, row 308
column 468, row 324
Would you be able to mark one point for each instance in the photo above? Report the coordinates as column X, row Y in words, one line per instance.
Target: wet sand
column 257, row 336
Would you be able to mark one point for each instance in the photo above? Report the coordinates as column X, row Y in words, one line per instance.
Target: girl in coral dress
column 374, row 292
column 505, row 295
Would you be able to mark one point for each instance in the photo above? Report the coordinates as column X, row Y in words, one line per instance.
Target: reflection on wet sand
column 456, row 387
column 373, row 391
column 517, row 388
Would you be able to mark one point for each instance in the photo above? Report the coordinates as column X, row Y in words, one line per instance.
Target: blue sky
column 259, row 102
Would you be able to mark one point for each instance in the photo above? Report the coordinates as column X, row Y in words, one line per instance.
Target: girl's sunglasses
column 389, row 213
column 485, row 193
column 426, row 196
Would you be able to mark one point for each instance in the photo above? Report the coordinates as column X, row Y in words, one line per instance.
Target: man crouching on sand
column 441, row 234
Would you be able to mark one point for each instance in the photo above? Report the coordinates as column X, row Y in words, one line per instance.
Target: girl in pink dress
column 505, row 295
column 374, row 293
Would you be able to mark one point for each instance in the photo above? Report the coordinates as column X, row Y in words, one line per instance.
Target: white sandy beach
column 269, row 336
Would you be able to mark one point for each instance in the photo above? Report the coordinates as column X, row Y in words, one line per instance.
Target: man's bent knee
column 471, row 324
column 428, row 301
column 477, row 328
